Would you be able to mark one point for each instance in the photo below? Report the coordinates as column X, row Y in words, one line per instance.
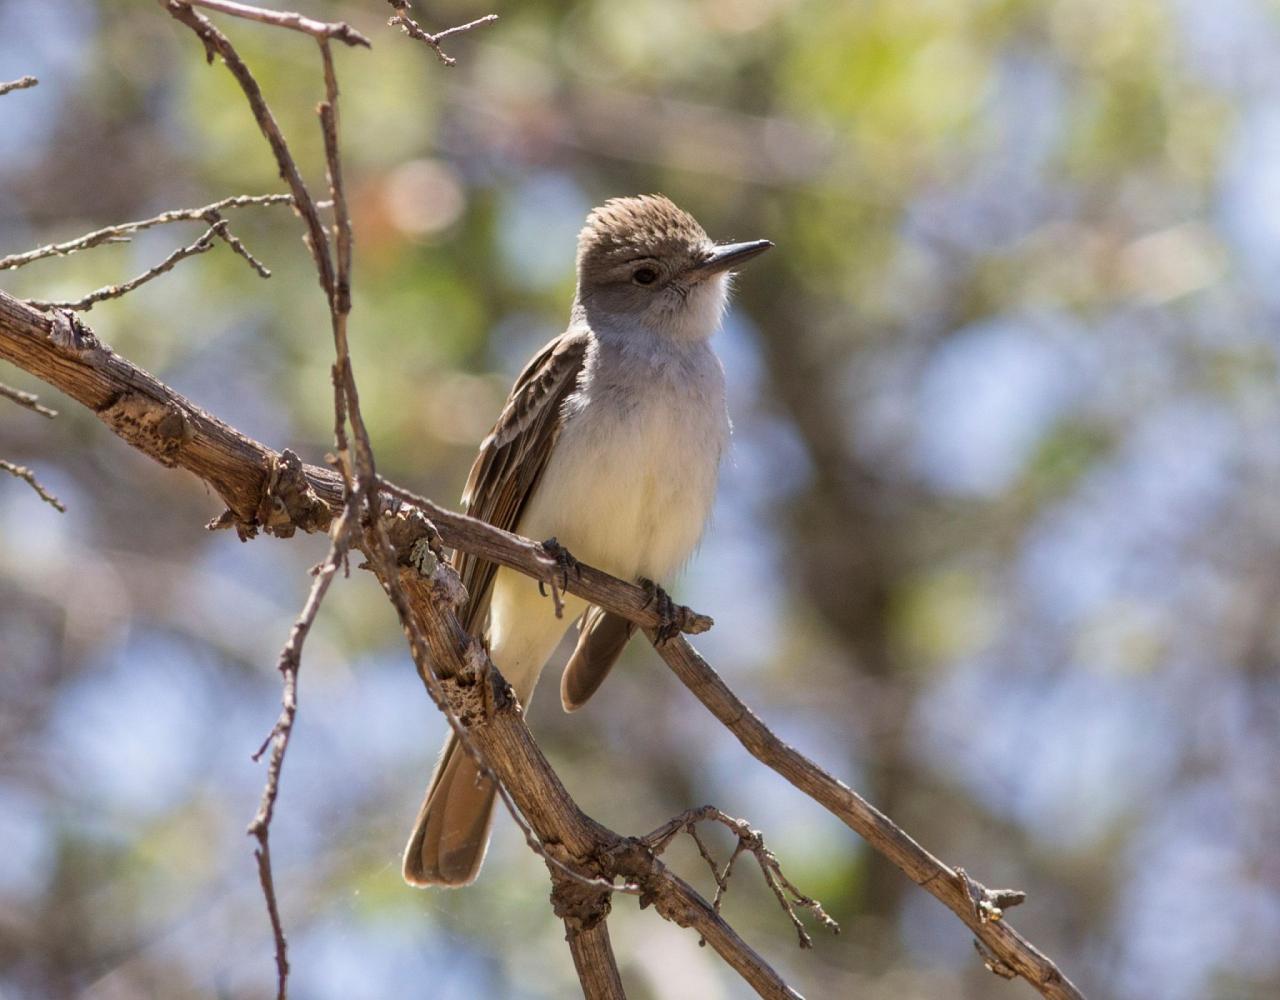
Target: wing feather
column 513, row 456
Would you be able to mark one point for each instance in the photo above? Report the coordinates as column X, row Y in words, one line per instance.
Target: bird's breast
column 632, row 478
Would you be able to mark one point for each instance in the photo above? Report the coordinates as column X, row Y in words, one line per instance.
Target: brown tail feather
column 451, row 833
column 604, row 637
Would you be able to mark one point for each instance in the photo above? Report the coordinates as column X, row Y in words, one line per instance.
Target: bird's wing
column 514, row 454
column 603, row 638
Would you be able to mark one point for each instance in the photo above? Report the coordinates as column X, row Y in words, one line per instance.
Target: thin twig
column 220, row 227
column 403, row 20
column 749, row 841
column 340, row 30
column 345, row 401
column 27, row 399
column 121, row 232
column 19, row 84
column 289, row 662
column 204, row 243
column 347, row 396
column 216, row 43
column 22, row 472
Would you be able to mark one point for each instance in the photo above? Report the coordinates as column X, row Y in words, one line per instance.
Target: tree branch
column 403, row 20
column 173, row 430
column 120, row 233
column 340, row 30
column 205, row 242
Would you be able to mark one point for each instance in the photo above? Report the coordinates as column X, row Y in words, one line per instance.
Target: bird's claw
column 564, row 562
column 673, row 618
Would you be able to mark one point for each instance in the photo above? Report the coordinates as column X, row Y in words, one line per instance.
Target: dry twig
column 340, row 30
column 749, row 841
column 204, row 243
column 30, row 400
column 120, row 233
column 403, row 20
column 289, row 663
column 334, row 278
column 20, row 84
column 23, row 473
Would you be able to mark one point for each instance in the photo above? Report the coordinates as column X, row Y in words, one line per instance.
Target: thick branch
column 584, row 910
column 176, row 432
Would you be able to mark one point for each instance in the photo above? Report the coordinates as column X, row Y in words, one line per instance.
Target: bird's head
column 643, row 261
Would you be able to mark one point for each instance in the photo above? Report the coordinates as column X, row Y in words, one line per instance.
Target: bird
column 609, row 446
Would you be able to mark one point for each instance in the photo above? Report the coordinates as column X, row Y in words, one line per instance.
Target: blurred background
column 999, row 541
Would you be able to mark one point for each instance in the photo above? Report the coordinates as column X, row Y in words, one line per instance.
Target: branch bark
column 171, row 429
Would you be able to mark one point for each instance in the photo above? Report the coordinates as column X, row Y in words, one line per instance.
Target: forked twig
column 749, row 841
column 340, row 30
column 403, row 20
column 199, row 246
column 120, row 233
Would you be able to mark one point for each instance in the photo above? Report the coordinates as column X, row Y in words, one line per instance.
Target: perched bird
column 610, row 442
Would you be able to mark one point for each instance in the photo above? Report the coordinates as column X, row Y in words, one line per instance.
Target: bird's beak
column 729, row 255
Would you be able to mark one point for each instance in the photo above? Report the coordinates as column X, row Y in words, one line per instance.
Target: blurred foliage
column 998, row 543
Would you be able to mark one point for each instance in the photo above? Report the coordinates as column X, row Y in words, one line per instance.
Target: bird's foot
column 673, row 618
column 565, row 563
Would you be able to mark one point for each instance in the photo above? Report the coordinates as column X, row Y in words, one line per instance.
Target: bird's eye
column 645, row 276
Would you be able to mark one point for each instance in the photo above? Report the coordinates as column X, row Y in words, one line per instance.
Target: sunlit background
column 999, row 542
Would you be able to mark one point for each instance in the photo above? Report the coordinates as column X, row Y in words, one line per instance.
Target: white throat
column 687, row 316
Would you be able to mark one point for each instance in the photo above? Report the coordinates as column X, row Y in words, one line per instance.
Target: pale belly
column 629, row 490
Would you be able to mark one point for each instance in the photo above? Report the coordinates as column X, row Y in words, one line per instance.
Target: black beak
column 729, row 255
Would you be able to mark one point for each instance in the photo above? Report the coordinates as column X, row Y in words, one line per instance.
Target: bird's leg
column 564, row 562
column 673, row 618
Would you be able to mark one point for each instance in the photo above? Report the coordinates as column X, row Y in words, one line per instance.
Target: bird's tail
column 451, row 833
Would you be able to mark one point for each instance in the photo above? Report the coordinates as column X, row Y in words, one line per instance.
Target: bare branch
column 340, row 30
column 159, row 422
column 878, row 830
column 220, row 228
column 413, row 29
column 289, row 663
column 27, row 399
column 22, row 472
column 204, row 243
column 120, row 233
column 20, row 84
column 216, row 43
column 749, row 841
column 593, row 959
